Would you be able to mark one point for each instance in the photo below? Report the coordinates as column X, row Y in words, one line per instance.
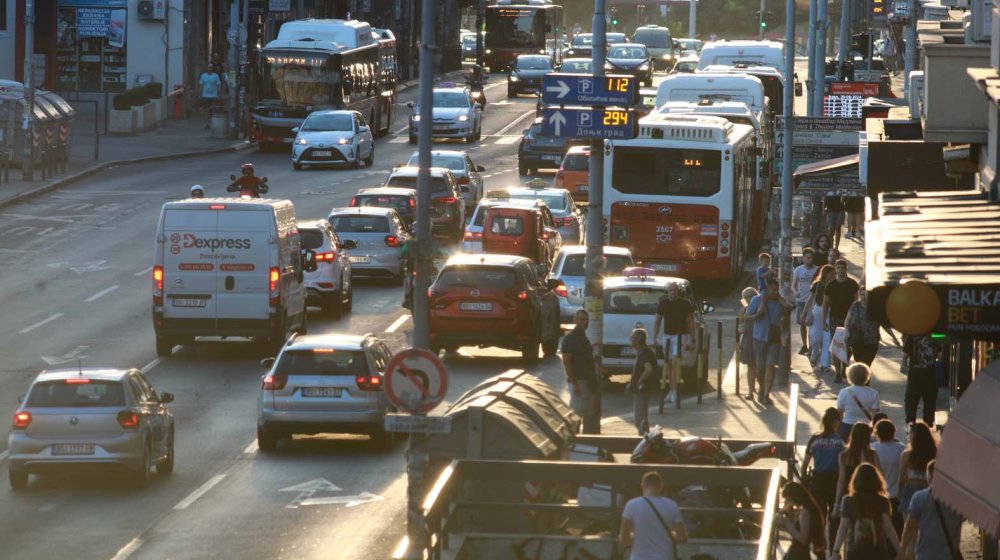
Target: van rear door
column 246, row 252
column 189, row 268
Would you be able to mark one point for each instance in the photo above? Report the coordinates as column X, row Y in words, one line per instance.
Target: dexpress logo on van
column 193, row 241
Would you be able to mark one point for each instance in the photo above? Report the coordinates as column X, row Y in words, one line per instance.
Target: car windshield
column 533, row 63
column 554, row 201
column 397, row 202
column 614, row 267
column 451, row 99
column 576, row 162
column 438, row 185
column 627, row 52
column 329, row 123
column 360, row 223
column 656, row 38
column 323, row 361
column 507, row 225
column 452, row 162
column 481, row 277
column 311, row 238
column 634, row 301
column 577, row 66
column 583, row 40
column 56, row 394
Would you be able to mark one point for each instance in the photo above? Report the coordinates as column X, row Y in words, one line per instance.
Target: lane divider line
column 144, row 271
column 251, row 449
column 102, row 293
column 128, row 549
column 40, row 323
column 3, row 455
column 397, row 323
column 201, row 491
column 145, row 369
column 504, row 130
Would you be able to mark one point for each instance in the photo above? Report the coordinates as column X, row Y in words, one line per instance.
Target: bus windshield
column 666, row 172
column 298, row 80
column 516, row 27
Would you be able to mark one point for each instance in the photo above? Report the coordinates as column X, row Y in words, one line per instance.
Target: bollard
column 702, row 361
column 737, row 353
column 718, row 376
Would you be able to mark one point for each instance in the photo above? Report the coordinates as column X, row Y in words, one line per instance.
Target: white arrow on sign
column 562, row 90
column 348, row 501
column 557, row 120
column 70, row 356
column 307, row 489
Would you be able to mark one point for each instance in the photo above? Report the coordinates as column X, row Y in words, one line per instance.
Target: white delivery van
column 227, row 267
column 713, row 88
column 749, row 53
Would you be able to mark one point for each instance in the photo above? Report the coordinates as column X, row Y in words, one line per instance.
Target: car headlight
column 666, row 57
column 463, row 118
column 301, row 141
column 513, row 78
column 644, row 66
column 415, row 118
column 489, row 51
column 343, row 141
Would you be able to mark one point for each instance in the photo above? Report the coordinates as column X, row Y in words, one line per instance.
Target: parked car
column 627, row 58
column 566, row 215
column 402, row 200
column 329, row 383
column 333, row 137
column 378, row 235
column 456, row 115
column 330, row 286
column 467, row 174
column 538, row 151
column 526, row 74
column 523, row 231
column 574, row 173
column 494, row 300
column 90, row 418
column 447, row 206
column 568, row 268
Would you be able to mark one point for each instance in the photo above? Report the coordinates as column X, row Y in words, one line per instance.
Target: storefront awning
column 829, row 174
column 968, row 458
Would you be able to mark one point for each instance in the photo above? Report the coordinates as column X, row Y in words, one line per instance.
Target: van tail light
column 446, row 200
column 391, row 241
column 522, row 296
column 462, row 180
column 369, row 382
column 473, row 236
column 561, row 291
column 413, row 202
column 274, row 382
column 21, row 420
column 129, row 419
column 328, row 256
column 274, row 277
column 157, row 285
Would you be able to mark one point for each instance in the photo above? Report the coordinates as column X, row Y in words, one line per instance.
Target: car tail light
column 391, row 241
column 413, row 202
column 274, row 382
column 128, row 419
column 21, row 420
column 157, row 285
column 561, row 290
column 462, row 180
column 328, row 256
column 369, row 382
column 446, row 200
column 473, row 236
column 522, row 295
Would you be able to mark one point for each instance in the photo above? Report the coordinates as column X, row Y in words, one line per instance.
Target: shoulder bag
column 955, row 553
column 857, row 401
column 673, row 543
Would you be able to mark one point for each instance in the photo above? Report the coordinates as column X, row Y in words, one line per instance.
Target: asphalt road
column 75, row 280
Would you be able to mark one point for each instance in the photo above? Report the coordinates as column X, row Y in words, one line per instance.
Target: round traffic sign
column 415, row 381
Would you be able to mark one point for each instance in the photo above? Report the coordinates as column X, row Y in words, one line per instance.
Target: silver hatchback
column 378, row 235
column 330, row 383
column 104, row 418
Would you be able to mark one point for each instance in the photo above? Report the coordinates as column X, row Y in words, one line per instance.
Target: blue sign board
column 584, row 89
column 589, row 122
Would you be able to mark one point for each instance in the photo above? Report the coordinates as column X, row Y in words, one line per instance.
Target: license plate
column 441, row 127
column 552, row 158
column 188, row 302
column 322, row 153
column 73, row 449
column 583, row 188
column 360, row 260
column 627, row 351
column 322, row 392
column 470, row 306
column 287, row 140
column 665, row 267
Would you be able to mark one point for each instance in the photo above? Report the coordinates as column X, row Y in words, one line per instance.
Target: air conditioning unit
column 155, row 10
column 916, row 93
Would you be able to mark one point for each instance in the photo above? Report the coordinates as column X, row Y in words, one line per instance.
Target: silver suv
column 330, row 285
column 330, row 383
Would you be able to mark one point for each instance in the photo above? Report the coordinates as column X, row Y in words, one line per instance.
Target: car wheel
column 511, row 94
column 357, row 160
column 529, row 351
column 522, row 169
column 470, row 138
column 370, row 160
column 479, row 131
column 297, row 166
column 18, row 480
column 349, row 303
column 145, row 473
column 551, row 345
column 334, row 303
column 413, row 139
column 164, row 346
column 166, row 466
column 267, row 441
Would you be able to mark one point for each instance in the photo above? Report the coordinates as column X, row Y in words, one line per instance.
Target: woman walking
column 859, row 450
column 913, row 463
column 862, row 332
column 823, row 453
column 865, row 528
column 821, row 249
column 857, row 403
column 819, row 338
column 745, row 329
column 802, row 519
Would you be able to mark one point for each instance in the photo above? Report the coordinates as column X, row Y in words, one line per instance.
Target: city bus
column 515, row 27
column 320, row 64
column 680, row 195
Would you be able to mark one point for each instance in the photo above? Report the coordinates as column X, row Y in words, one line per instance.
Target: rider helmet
column 246, row 168
column 197, row 191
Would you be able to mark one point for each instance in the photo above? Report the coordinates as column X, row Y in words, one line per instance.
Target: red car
column 494, row 300
column 524, row 231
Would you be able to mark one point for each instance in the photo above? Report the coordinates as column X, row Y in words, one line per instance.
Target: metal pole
column 811, row 79
column 760, row 20
column 693, row 19
column 911, row 48
column 820, row 70
column 844, row 49
column 234, row 61
column 701, row 363
column 27, row 165
column 594, row 267
column 718, row 376
column 737, row 357
column 786, row 180
column 480, row 27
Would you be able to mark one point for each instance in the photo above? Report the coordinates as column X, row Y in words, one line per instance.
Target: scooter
column 261, row 188
column 476, row 89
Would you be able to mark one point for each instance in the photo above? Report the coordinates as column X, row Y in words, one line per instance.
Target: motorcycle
column 477, row 91
column 248, row 191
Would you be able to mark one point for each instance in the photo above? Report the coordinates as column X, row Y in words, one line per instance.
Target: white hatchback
column 333, row 137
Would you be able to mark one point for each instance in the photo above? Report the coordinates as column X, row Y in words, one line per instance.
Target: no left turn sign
column 415, row 381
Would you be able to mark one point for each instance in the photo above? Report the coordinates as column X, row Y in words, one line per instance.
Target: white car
column 333, row 137
column 467, row 174
column 456, row 115
column 330, row 285
column 568, row 268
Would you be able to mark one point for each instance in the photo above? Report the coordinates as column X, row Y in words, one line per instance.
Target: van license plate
column 583, row 188
column 470, row 306
column 552, row 158
column 627, row 351
column 73, row 449
column 334, row 392
column 360, row 260
column 188, row 302
column 322, row 153
column 661, row 267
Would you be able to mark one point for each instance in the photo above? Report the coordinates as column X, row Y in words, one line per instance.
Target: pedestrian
column 821, row 250
column 859, row 450
column 802, row 519
column 763, row 269
column 865, row 528
column 857, row 402
column 819, row 336
column 833, row 210
column 643, row 382
column 197, row 192
column 837, row 299
column 581, row 374
column 766, row 310
column 745, row 330
column 652, row 524
column 862, row 332
column 889, row 54
column 855, row 208
column 919, row 356
column 935, row 529
column 823, row 453
column 802, row 278
column 921, row 450
column 210, row 90
column 677, row 317
column 890, row 453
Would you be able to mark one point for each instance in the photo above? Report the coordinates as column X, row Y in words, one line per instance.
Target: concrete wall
column 954, row 108
column 7, row 38
column 146, row 49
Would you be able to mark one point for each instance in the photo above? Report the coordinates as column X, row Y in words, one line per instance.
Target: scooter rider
column 248, row 184
column 197, row 192
column 477, row 81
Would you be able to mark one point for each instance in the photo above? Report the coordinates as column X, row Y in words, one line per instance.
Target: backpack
column 863, row 534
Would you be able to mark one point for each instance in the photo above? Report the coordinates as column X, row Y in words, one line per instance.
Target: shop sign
column 969, row 311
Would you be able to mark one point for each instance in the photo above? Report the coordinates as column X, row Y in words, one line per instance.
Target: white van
column 227, row 267
column 704, row 87
column 749, row 53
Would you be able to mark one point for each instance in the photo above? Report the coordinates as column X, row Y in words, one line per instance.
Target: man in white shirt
column 802, row 278
column 651, row 523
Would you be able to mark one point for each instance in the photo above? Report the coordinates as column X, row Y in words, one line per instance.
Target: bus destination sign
column 584, row 89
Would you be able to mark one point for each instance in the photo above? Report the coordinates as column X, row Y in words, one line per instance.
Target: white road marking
column 48, row 507
column 145, row 369
column 201, row 491
column 40, row 323
column 348, row 501
column 144, row 271
column 3, row 455
column 399, row 140
column 251, row 449
column 502, row 102
column 504, row 130
column 507, row 140
column 101, row 293
column 128, row 549
column 70, row 356
column 307, row 489
column 397, row 323
column 402, row 130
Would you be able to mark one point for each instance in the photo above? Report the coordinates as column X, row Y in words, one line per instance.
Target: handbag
column 838, row 345
column 955, row 553
column 670, row 536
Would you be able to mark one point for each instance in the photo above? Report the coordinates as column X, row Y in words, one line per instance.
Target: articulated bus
column 321, row 64
column 680, row 195
column 515, row 27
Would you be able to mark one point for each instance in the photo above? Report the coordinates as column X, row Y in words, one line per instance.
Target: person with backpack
column 858, row 451
column 936, row 529
column 865, row 531
column 823, row 453
column 652, row 524
column 802, row 519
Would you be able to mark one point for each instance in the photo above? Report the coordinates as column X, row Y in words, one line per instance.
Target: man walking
column 919, row 355
column 677, row 317
column 643, row 382
column 802, row 278
column 838, row 297
column 581, row 374
column 210, row 89
column 652, row 524
column 833, row 208
column 936, row 529
column 766, row 310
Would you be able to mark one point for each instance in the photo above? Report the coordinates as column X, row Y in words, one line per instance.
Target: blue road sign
column 589, row 122
column 584, row 89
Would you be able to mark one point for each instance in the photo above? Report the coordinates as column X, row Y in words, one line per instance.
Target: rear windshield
column 311, row 238
column 437, row 184
column 553, row 201
column 478, row 277
column 326, row 362
column 359, row 224
column 615, row 265
column 576, row 162
column 399, row 203
column 454, row 163
column 632, row 301
column 507, row 225
column 54, row 394
column 656, row 38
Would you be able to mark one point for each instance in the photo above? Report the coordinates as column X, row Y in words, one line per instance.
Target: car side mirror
column 348, row 244
column 707, row 307
column 480, row 169
column 525, row 131
column 363, row 129
column 464, row 188
column 295, row 129
column 267, row 363
column 166, row 398
column 410, row 104
column 477, row 106
column 309, row 260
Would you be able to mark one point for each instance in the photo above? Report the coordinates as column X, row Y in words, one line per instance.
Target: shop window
column 91, row 54
column 3, row 16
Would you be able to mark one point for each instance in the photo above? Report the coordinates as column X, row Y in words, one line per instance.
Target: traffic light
column 614, row 15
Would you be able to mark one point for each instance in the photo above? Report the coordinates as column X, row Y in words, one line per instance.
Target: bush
column 121, row 102
column 154, row 90
column 137, row 96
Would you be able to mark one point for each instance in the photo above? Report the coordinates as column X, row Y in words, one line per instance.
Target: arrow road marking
column 349, row 501
column 70, row 356
column 562, row 90
column 557, row 120
column 307, row 489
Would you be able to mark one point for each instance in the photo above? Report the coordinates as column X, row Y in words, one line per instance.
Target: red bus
column 521, row 27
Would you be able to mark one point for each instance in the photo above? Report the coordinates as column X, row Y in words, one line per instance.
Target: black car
column 630, row 58
column 537, row 151
column 582, row 45
column 527, row 73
